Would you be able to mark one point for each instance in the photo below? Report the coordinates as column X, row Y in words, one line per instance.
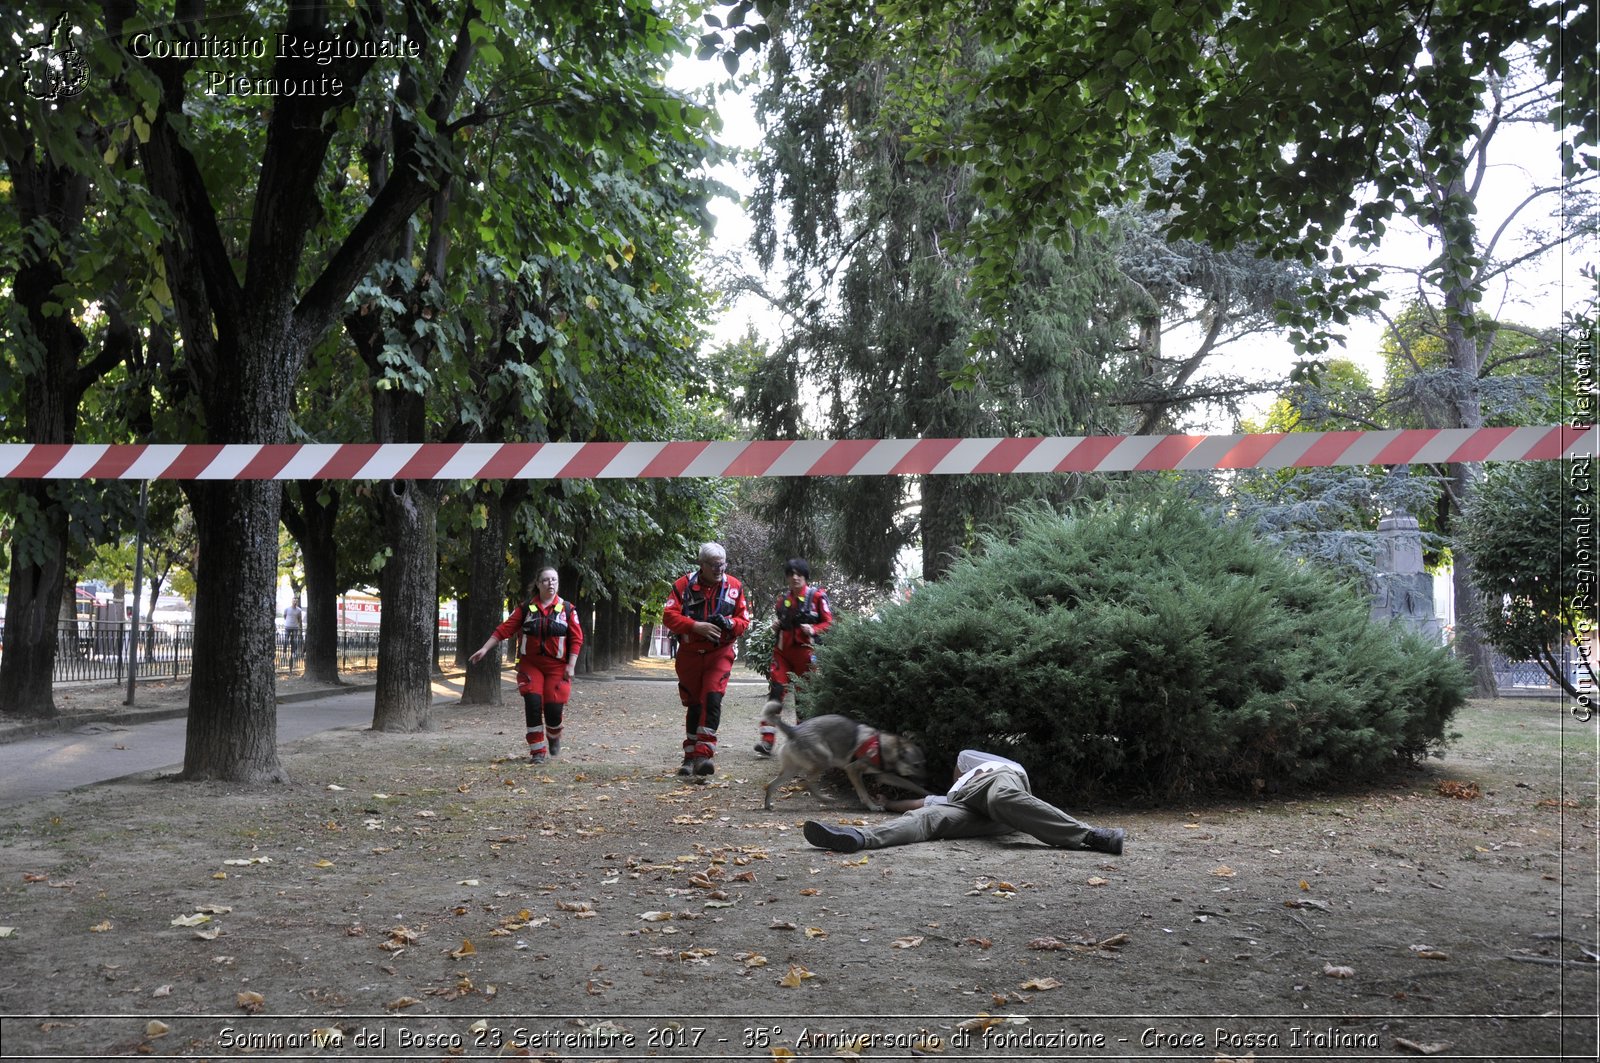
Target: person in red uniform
column 548, row 655
column 708, row 612
column 801, row 615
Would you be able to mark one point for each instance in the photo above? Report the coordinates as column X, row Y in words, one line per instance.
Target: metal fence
column 1528, row 677
column 97, row 651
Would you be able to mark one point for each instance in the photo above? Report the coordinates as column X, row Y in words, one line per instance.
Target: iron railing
column 90, row 651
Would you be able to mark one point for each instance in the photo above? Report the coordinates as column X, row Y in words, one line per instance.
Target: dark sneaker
column 555, row 748
column 703, row 766
column 687, row 767
column 839, row 839
column 537, row 758
column 1105, row 840
column 763, row 750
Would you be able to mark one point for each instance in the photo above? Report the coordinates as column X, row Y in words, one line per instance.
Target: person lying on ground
column 991, row 795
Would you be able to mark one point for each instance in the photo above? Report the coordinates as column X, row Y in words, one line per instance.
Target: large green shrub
column 1144, row 650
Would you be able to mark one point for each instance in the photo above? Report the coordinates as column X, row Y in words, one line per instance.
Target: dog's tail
column 772, row 716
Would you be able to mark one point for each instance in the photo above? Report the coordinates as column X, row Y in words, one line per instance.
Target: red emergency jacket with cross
column 690, row 601
column 544, row 631
column 810, row 606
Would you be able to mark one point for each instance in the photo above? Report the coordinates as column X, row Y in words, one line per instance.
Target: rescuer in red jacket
column 708, row 612
column 801, row 615
column 548, row 655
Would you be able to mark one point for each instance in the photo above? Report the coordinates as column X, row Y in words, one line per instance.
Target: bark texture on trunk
column 404, row 695
column 30, row 633
column 233, row 718
column 312, row 525
column 482, row 608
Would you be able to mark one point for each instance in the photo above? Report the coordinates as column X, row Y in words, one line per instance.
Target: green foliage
column 1145, row 650
column 1525, row 530
column 1290, row 125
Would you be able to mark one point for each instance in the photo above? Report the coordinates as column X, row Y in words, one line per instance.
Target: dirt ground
column 435, row 896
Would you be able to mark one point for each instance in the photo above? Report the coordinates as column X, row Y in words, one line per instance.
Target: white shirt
column 974, row 762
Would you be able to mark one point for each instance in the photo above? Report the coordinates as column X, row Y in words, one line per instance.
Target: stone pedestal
column 1402, row 590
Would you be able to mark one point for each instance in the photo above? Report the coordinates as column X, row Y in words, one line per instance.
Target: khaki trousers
column 995, row 802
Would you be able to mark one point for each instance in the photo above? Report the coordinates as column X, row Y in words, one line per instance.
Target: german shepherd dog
column 824, row 742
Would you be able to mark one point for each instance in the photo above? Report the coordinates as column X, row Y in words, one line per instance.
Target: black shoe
column 763, row 750
column 839, row 839
column 1105, row 840
column 703, row 766
column 687, row 767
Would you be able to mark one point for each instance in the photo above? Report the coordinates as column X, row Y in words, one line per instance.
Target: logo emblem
column 55, row 73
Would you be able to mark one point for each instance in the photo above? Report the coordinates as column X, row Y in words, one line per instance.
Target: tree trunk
column 33, row 606
column 943, row 525
column 233, row 718
column 54, row 199
column 408, row 588
column 312, row 525
column 480, row 610
column 1466, row 411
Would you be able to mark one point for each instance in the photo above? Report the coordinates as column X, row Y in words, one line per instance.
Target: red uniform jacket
column 690, row 602
column 810, row 606
column 545, row 632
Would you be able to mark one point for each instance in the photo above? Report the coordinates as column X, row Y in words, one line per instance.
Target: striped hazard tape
column 803, row 457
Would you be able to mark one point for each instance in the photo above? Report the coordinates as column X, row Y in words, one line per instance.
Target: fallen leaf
column 1335, row 971
column 190, row 920
column 655, row 917
column 1428, row 952
column 8, row 931
column 1096, row 880
column 1307, row 902
column 209, row 935
column 816, row 932
column 466, row 949
column 796, row 975
column 162, row 991
column 810, row 891
column 1048, row 944
column 1041, row 984
column 251, row 1001
column 402, row 1002
column 1224, row 872
column 100, row 928
column 906, row 942
column 156, row 1028
column 1428, row 1049
column 751, row 959
column 322, row 863
column 574, row 906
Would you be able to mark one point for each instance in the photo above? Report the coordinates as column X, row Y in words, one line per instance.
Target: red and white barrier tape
column 804, row 457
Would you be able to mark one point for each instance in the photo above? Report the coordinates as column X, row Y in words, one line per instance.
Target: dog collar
column 869, row 752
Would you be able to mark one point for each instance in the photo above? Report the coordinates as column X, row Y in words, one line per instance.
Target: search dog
column 835, row 741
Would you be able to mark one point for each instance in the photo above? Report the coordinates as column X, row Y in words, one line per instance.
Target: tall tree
column 1292, row 126
column 261, row 258
column 62, row 196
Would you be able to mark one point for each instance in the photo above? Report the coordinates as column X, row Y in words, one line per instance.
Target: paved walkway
column 96, row 737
